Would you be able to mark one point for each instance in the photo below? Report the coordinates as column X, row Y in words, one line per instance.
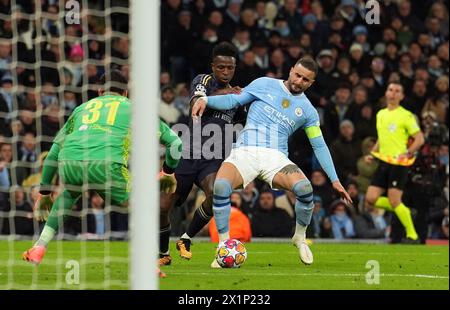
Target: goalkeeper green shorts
column 110, row 180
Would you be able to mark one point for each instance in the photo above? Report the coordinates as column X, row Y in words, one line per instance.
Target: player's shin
column 164, row 236
column 404, row 215
column 59, row 210
column 303, row 207
column 222, row 207
column 201, row 217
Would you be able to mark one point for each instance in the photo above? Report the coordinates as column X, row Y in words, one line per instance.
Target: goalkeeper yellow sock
column 383, row 203
column 404, row 215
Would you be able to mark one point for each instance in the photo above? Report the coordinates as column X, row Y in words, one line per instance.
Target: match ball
column 231, row 253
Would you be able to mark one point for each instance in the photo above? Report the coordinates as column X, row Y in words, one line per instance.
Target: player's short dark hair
column 114, row 82
column 309, row 64
column 224, row 49
column 397, row 83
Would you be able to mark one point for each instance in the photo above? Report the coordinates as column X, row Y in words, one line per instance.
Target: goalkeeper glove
column 167, row 182
column 42, row 207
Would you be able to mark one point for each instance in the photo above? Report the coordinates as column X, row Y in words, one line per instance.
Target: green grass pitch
column 269, row 266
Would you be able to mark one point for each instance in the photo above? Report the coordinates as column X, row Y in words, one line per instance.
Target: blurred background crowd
column 48, row 67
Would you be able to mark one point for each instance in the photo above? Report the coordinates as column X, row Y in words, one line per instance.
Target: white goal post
column 145, row 67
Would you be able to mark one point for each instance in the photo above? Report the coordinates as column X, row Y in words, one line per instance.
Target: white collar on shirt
column 287, row 90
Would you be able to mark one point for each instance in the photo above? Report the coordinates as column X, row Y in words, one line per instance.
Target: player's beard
column 297, row 91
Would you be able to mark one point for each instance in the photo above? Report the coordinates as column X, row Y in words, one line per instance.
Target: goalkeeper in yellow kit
column 395, row 126
column 91, row 152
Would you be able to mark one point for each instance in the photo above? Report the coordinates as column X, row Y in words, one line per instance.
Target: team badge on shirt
column 200, row 88
column 285, row 103
column 298, row 112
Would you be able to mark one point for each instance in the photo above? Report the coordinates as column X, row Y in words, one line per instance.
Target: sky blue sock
column 222, row 205
column 304, row 202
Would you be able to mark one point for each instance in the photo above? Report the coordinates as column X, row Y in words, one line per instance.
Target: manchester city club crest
column 298, row 112
column 285, row 103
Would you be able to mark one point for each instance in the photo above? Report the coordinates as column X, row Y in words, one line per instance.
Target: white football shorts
column 257, row 162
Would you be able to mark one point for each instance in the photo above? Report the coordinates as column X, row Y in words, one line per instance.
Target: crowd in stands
column 42, row 81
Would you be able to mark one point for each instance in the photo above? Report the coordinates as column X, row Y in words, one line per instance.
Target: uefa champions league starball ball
column 231, row 253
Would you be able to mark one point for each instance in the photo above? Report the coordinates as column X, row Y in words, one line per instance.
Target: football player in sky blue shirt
column 278, row 108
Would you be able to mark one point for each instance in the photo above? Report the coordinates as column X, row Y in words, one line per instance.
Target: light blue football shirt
column 274, row 115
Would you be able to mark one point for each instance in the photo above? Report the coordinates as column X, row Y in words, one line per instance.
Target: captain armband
column 313, row 132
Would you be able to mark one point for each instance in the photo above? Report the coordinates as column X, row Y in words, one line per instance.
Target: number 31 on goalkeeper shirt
column 96, row 107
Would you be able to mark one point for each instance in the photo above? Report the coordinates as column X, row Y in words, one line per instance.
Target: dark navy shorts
column 193, row 171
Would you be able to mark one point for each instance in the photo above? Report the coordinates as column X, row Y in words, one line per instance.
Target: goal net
column 52, row 55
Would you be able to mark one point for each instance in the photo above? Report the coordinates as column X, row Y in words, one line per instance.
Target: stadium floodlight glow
column 144, row 21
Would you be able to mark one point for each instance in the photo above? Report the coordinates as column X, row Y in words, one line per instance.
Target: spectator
column 294, row 52
column 310, row 26
column 391, row 56
column 323, row 88
column 270, row 221
column 231, row 18
column 261, row 56
column 69, row 102
column 35, row 179
column 48, row 95
column 318, row 228
column 439, row 102
column 28, row 120
column 5, row 57
column 241, row 40
column 165, row 79
column 248, row 70
column 416, row 101
column 292, row 16
column 379, row 74
column 51, row 123
column 360, row 34
column 338, row 109
column 23, row 219
column 278, row 67
column 75, row 65
column 16, row 174
column 4, row 176
column 215, row 19
column 435, row 66
column 357, row 197
column 182, row 102
column 365, row 170
column 27, row 150
column 341, row 224
column 167, row 110
column 238, row 202
column 366, row 122
column 408, row 18
column 203, row 49
column 180, row 46
column 345, row 151
column 358, row 59
column 343, row 69
column 250, row 194
column 322, row 188
column 370, row 225
column 406, row 71
column 6, row 101
column 248, row 22
column 287, row 203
